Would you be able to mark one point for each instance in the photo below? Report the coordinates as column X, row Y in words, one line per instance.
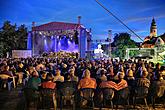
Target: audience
column 47, row 73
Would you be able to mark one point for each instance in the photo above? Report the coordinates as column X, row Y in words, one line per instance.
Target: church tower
column 153, row 29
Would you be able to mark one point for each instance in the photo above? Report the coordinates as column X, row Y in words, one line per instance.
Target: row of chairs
column 48, row 98
column 68, row 92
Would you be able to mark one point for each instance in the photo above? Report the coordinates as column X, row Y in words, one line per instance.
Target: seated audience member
column 160, row 80
column 117, row 86
column 103, row 77
column 20, row 72
column 64, row 69
column 30, row 70
column 158, row 86
column 108, row 84
column 100, row 68
column 157, row 70
column 40, row 67
column 143, row 81
column 116, row 77
column 43, row 76
column 130, row 78
column 162, row 71
column 6, row 71
column 150, row 68
column 128, row 68
column 121, row 82
column 133, row 67
column 110, row 71
column 72, row 75
column 58, row 76
column 87, row 81
column 49, row 82
column 6, row 74
column 34, row 82
column 140, row 70
column 68, row 82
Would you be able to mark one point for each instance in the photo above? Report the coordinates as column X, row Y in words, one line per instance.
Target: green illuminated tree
column 122, row 41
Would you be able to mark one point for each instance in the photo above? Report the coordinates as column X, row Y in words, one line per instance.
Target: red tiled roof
column 163, row 37
column 56, row 26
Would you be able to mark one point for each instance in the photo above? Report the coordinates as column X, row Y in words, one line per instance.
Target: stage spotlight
column 40, row 33
column 71, row 39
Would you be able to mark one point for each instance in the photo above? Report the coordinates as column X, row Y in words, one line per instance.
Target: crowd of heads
column 72, row 69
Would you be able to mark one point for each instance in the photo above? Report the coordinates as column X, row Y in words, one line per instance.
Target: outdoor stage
column 59, row 36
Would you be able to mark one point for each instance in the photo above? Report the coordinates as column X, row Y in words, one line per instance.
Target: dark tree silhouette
column 12, row 38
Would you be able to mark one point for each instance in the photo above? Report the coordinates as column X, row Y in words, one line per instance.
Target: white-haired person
column 87, row 81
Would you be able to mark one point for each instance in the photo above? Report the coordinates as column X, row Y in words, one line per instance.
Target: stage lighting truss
column 58, row 33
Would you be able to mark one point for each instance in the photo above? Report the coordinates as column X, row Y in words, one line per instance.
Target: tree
column 12, row 38
column 122, row 41
column 22, row 35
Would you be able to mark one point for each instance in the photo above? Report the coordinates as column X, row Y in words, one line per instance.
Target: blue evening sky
column 137, row 14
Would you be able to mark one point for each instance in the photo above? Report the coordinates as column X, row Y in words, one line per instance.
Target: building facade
column 152, row 40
